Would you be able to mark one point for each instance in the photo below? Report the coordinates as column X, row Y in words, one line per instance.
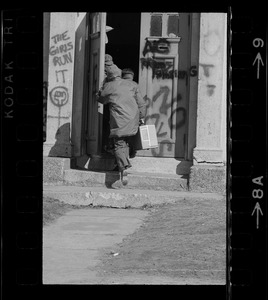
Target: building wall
column 60, row 84
column 211, row 102
column 208, row 174
column 207, row 101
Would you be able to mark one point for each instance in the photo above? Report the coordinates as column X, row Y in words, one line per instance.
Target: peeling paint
column 212, row 43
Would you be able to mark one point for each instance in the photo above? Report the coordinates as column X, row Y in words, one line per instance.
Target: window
column 164, row 25
column 173, row 25
column 156, row 25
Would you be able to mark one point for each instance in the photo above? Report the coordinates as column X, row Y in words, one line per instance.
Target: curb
column 124, row 198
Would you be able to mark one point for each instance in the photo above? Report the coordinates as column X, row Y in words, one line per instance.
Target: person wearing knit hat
column 108, row 60
column 112, row 72
column 109, row 66
column 126, row 107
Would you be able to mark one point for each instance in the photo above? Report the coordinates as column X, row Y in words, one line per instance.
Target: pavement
column 72, row 244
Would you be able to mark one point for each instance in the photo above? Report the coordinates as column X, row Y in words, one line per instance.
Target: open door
column 80, row 85
column 164, row 71
column 96, row 75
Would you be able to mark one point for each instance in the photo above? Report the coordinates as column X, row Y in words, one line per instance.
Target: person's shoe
column 124, row 177
column 125, row 181
column 118, row 184
column 125, row 173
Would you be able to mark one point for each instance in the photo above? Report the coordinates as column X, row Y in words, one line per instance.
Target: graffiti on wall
column 211, row 46
column 61, row 54
column 59, row 96
column 163, row 119
column 207, row 69
column 163, row 68
column 161, row 46
column 162, row 108
column 210, row 89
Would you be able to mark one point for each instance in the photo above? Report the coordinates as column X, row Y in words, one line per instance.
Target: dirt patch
column 54, row 209
column 185, row 240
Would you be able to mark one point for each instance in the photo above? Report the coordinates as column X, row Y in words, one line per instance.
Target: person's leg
column 126, row 150
column 131, row 143
column 121, row 154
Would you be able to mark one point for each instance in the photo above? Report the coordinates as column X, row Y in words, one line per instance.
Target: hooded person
column 109, row 66
column 126, row 107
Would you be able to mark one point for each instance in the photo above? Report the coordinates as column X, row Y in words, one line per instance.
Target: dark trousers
column 121, row 152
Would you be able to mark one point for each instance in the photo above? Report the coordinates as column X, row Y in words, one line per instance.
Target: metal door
column 163, row 79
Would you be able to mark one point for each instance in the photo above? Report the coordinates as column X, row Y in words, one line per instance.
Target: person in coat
column 128, row 74
column 109, row 66
column 126, row 107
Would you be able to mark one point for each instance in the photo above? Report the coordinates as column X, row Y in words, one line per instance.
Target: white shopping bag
column 146, row 137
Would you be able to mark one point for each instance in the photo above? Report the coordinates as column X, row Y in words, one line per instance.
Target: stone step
column 148, row 181
column 123, row 198
column 160, row 165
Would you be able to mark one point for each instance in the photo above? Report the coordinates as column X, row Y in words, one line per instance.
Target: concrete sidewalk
column 71, row 245
column 74, row 244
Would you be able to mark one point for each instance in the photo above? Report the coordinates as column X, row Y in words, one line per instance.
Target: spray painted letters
column 161, row 46
column 61, row 52
column 163, row 68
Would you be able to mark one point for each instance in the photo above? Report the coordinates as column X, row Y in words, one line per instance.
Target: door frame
column 192, row 84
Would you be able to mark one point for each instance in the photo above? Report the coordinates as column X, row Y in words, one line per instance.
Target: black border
column 248, row 133
column 21, row 169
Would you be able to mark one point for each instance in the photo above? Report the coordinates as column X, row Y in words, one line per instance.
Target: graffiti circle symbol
column 59, row 96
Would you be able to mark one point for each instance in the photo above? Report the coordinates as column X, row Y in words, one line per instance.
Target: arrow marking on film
column 258, row 209
column 259, row 59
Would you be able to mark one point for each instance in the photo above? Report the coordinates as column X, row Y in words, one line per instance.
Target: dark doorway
column 124, row 46
column 124, row 40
